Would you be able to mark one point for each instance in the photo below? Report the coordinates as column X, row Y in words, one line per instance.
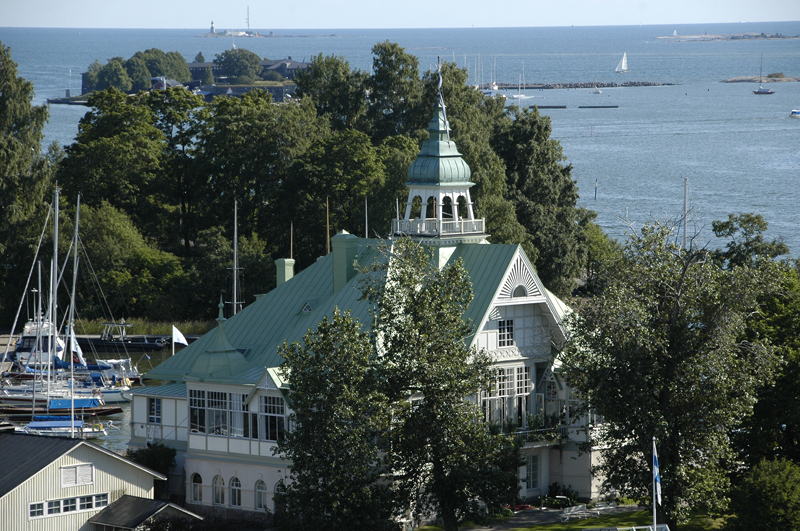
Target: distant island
column 733, row 37
column 772, row 78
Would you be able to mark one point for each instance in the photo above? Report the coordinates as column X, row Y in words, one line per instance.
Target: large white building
column 225, row 408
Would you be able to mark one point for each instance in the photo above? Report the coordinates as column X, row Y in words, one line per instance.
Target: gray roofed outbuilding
column 22, row 456
column 129, row 512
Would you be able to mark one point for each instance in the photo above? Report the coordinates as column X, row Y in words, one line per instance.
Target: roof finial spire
column 441, row 98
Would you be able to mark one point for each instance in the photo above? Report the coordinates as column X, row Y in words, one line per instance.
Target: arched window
column 197, row 488
column 236, row 492
column 261, row 496
column 520, row 291
column 219, row 491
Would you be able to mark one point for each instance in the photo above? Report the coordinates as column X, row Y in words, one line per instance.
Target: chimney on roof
column 345, row 249
column 285, row 270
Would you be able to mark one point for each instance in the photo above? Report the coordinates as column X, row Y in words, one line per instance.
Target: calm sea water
column 740, row 152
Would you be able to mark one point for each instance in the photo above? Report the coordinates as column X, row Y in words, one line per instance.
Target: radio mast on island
column 248, row 19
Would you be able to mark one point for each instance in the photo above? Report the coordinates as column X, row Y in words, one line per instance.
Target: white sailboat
column 761, row 90
column 622, row 67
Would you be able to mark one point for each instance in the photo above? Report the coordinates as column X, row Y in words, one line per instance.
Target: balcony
column 435, row 227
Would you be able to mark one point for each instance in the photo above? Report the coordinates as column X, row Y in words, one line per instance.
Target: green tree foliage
column 117, row 156
column 171, row 65
column 246, row 153
column 394, row 92
column 208, row 76
column 661, row 353
column 90, row 78
column 156, row 457
column 341, row 168
column 24, row 173
column 768, row 498
column 113, row 74
column 239, row 63
column 199, row 58
column 139, row 74
column 336, row 474
column 338, row 92
column 444, row 458
column 177, row 67
column 746, row 233
column 182, row 117
column 544, row 197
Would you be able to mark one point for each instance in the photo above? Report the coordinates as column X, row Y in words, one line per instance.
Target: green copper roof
column 289, row 311
column 439, row 162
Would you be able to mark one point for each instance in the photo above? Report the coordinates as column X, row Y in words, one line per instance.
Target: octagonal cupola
column 439, row 209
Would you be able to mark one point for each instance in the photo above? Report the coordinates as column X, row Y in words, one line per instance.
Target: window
column 36, row 509
column 197, row 488
column 85, row 502
column 506, row 337
column 519, row 291
column 236, row 492
column 219, row 491
column 532, row 469
column 154, row 405
column 261, row 496
column 217, row 413
column 197, row 411
column 237, row 415
column 69, row 505
column 54, row 507
column 272, row 423
column 72, row 476
column 523, row 394
column 101, row 500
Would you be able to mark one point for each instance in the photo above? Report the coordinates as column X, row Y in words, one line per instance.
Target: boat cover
column 80, row 403
column 49, row 424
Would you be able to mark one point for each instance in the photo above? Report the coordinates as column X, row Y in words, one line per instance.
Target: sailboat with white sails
column 622, row 67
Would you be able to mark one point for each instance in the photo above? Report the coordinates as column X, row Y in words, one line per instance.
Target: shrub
column 767, row 498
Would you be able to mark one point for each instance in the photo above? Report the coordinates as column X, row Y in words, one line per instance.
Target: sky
column 345, row 14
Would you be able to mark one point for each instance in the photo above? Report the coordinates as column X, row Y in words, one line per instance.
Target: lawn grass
column 698, row 522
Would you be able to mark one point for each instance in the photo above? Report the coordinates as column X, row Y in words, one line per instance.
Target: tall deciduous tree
column 239, row 63
column 660, row 353
column 443, row 457
column 338, row 92
column 394, row 92
column 544, row 196
column 337, row 475
column 22, row 166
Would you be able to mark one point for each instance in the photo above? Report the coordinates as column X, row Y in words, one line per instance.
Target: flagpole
column 654, row 483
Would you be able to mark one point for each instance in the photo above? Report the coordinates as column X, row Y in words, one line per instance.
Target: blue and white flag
column 656, row 474
column 177, row 337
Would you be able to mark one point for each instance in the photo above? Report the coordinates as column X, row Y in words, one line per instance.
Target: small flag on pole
column 177, row 337
column 656, row 473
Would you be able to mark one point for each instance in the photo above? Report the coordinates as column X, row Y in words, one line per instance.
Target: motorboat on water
column 795, row 113
column 114, row 338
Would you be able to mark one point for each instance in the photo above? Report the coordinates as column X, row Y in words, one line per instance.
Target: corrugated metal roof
column 22, row 456
column 131, row 511
column 165, row 391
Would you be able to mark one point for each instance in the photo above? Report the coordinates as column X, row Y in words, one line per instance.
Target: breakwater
column 547, row 86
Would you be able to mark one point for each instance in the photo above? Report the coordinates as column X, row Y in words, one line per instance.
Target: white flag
column 656, row 474
column 177, row 337
column 76, row 348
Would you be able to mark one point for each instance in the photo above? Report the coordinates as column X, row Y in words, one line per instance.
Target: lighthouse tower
column 439, row 181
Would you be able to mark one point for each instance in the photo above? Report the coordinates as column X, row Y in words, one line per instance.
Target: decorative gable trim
column 519, row 276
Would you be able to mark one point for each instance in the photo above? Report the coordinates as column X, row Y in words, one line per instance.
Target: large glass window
column 532, row 470
column 197, row 411
column 197, row 488
column 506, row 333
column 272, row 425
column 217, row 413
column 236, row 492
column 154, row 405
column 261, row 496
column 237, row 415
column 219, row 491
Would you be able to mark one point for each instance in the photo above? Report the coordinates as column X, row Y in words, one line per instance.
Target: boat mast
column 71, row 324
column 685, row 207
column 53, row 294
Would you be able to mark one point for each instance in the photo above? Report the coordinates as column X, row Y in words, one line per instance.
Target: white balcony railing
column 435, row 227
